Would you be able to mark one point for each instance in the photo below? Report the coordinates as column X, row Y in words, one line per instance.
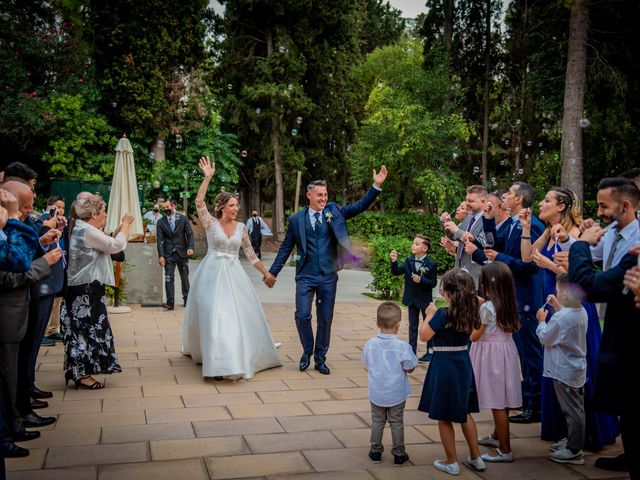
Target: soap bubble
column 529, row 143
column 521, row 171
column 243, row 153
column 298, row 120
column 584, row 122
column 230, row 86
column 258, row 110
column 294, row 132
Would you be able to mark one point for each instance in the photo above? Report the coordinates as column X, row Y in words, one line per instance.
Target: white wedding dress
column 225, row 327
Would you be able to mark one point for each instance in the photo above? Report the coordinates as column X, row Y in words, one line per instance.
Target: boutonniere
column 423, row 270
column 328, row 217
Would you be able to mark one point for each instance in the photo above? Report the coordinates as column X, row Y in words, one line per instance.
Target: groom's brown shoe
column 305, row 360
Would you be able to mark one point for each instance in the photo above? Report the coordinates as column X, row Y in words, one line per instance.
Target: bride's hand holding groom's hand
column 269, row 280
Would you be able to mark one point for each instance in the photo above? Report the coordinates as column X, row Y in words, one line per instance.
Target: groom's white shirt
column 312, row 212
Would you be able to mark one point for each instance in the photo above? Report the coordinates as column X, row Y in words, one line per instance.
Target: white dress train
column 225, row 327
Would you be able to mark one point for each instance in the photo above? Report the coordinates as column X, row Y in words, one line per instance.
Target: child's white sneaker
column 500, row 457
column 476, row 464
column 567, row 456
column 450, row 468
column 488, row 442
column 560, row 445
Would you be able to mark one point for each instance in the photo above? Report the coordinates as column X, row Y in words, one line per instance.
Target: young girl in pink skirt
column 496, row 365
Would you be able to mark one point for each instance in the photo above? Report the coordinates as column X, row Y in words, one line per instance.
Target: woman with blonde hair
column 87, row 335
column 560, row 207
column 225, row 328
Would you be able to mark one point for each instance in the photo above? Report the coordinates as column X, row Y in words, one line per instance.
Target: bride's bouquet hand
column 208, row 168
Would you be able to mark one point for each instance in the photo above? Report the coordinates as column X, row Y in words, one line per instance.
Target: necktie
column 612, row 253
column 317, row 222
column 172, row 223
column 473, row 220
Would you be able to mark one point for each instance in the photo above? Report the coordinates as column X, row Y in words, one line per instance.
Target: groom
column 320, row 233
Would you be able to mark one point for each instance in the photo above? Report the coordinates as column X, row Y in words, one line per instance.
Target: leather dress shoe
column 613, row 464
column 11, row 450
column 24, row 436
column 322, row 368
column 34, row 420
column 305, row 360
column 527, row 416
column 37, row 393
column 36, row 404
column 168, row 306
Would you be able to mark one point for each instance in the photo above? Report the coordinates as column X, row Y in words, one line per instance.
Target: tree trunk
column 278, row 214
column 574, row 88
column 487, row 74
column 448, row 25
column 254, row 201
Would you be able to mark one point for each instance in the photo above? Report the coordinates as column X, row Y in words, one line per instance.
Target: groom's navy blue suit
column 322, row 251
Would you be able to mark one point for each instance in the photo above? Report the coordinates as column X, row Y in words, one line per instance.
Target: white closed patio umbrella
column 124, row 191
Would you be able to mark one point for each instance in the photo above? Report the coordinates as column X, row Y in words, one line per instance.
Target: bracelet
column 525, row 238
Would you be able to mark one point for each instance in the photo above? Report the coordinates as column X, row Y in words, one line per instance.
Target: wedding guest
column 257, row 229
column 152, row 218
column 18, row 242
column 88, row 339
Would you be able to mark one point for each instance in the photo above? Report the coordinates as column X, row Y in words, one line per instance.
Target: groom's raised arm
column 285, row 250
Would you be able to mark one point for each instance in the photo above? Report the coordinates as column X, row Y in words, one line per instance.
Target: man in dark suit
column 14, row 315
column 528, row 283
column 175, row 246
column 320, row 234
column 420, row 278
column 616, row 372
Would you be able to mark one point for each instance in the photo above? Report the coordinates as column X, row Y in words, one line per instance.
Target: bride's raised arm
column 208, row 169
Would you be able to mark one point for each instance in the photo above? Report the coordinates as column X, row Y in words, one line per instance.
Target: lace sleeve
column 246, row 246
column 205, row 217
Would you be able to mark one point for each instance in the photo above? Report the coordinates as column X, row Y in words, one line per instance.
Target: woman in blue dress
column 560, row 206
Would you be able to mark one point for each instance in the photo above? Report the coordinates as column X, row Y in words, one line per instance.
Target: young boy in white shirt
column 565, row 350
column 388, row 360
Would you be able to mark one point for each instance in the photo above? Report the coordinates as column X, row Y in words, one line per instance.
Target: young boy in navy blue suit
column 420, row 277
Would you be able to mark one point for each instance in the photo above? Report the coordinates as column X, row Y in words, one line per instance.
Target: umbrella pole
column 116, row 291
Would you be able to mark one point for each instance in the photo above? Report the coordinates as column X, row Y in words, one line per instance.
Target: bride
column 225, row 328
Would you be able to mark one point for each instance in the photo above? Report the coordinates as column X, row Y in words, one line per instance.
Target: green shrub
column 385, row 284
column 369, row 225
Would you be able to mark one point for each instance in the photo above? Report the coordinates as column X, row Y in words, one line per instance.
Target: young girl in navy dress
column 449, row 392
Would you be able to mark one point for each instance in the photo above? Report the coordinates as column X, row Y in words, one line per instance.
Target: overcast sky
column 409, row 8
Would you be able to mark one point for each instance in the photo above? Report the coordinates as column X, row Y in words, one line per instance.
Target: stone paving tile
column 290, row 442
column 421, row 473
column 431, row 431
column 145, row 433
column 192, row 469
column 344, row 459
column 529, row 468
column 228, row 386
column 100, row 419
column 97, row 454
column 34, row 461
column 269, row 410
column 81, row 406
column 179, row 415
column 321, row 422
column 313, row 383
column 137, row 380
column 197, row 447
column 148, row 403
column 346, row 475
column 220, row 399
column 79, row 473
column 591, row 472
column 153, row 362
column 349, row 393
column 170, row 390
column 225, row 428
column 66, row 437
column 339, row 406
column 294, row 396
column 359, row 437
column 244, row 466
column 110, row 392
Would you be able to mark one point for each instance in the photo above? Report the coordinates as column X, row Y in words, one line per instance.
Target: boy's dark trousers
column 414, row 324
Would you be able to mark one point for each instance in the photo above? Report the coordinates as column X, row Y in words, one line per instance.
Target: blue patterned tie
column 317, row 222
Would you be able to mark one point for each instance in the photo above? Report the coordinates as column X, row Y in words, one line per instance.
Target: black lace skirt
column 88, row 340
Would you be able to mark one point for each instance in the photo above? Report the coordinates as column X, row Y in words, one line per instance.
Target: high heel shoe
column 96, row 385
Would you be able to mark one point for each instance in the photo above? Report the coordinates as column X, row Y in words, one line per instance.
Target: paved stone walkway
column 160, row 419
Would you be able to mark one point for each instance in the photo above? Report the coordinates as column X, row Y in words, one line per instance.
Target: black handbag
column 118, row 257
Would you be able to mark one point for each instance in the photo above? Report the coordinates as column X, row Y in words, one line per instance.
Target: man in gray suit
column 470, row 228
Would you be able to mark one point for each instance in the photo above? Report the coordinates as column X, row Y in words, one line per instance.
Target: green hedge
column 385, row 284
column 371, row 225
